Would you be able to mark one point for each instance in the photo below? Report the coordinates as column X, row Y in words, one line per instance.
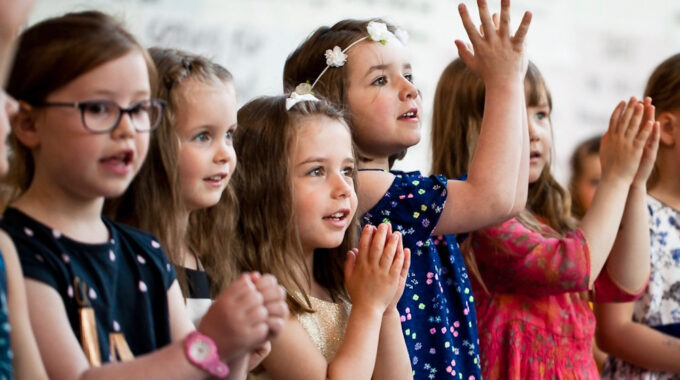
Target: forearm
column 238, row 368
column 601, row 222
column 356, row 356
column 640, row 345
column 169, row 363
column 495, row 166
column 523, row 177
column 392, row 361
column 628, row 264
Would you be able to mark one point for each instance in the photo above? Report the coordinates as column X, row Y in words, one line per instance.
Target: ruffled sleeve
column 515, row 259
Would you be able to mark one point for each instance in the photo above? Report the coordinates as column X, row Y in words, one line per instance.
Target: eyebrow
column 384, row 66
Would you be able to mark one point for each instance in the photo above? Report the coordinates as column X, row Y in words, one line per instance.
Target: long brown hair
column 307, row 61
column 577, row 162
column 663, row 87
column 51, row 54
column 266, row 231
column 456, row 121
column 155, row 193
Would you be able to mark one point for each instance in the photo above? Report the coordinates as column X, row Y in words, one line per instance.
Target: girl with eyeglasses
column 100, row 292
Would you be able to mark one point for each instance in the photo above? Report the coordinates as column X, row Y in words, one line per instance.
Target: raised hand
column 372, row 275
column 651, row 146
column 237, row 319
column 494, row 55
column 623, row 144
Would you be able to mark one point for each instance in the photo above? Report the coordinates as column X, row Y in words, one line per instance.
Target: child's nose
column 341, row 187
column 409, row 90
column 223, row 153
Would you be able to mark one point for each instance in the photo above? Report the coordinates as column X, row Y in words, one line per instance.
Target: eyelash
column 201, row 137
column 382, row 80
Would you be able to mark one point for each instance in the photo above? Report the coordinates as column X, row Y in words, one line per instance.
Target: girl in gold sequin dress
column 297, row 221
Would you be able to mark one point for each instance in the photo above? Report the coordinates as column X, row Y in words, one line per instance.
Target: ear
column 24, row 126
column 670, row 124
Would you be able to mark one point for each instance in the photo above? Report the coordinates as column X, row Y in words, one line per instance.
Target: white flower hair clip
column 336, row 57
column 296, row 98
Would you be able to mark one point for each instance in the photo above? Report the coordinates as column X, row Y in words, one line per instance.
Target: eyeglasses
column 102, row 116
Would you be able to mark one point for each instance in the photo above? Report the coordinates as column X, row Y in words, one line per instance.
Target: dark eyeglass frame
column 121, row 110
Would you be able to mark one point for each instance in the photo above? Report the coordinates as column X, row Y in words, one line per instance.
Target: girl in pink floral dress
column 533, row 274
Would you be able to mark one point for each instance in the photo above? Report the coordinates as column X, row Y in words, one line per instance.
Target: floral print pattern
column 437, row 309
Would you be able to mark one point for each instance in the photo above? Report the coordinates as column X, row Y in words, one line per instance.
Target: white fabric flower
column 401, row 35
column 303, row 88
column 335, row 57
column 377, row 31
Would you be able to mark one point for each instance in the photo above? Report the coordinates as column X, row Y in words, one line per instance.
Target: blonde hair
column 307, row 61
column 266, row 231
column 155, row 194
column 663, row 87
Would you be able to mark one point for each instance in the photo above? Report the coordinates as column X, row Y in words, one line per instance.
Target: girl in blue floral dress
column 363, row 67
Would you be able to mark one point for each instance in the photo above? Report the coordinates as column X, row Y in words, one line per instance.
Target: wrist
column 391, row 311
column 639, row 187
column 201, row 351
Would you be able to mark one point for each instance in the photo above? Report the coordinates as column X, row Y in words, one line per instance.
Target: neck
column 187, row 258
column 374, row 163
column 667, row 188
column 75, row 216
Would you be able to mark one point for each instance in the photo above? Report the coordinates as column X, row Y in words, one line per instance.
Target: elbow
column 506, row 206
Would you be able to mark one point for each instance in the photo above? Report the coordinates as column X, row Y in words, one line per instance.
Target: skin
column 239, row 319
column 380, row 91
column 587, row 183
column 321, row 169
column 617, row 332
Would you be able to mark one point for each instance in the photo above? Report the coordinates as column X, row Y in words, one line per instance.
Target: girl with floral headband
column 373, row 81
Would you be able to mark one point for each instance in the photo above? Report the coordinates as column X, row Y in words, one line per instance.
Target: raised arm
column 498, row 173
column 636, row 343
column 628, row 263
column 620, row 153
column 13, row 14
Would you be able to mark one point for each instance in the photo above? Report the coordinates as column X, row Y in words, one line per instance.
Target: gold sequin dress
column 326, row 326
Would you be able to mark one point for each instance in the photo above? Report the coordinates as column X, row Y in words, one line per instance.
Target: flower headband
column 336, row 57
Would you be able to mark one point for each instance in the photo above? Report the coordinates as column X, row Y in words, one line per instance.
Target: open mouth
column 337, row 216
column 123, row 158
column 215, row 178
column 410, row 114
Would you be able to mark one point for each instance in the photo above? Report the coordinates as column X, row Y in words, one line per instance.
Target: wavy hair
column 155, row 193
column 268, row 239
column 307, row 61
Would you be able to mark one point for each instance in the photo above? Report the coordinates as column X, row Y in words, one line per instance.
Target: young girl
column 297, row 206
column 585, row 175
column 367, row 72
column 191, row 159
column 643, row 338
column 98, row 291
column 19, row 356
column 530, row 270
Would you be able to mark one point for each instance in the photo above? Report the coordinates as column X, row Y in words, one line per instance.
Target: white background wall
column 592, row 52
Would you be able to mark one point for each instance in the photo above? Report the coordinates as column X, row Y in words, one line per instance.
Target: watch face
column 200, row 350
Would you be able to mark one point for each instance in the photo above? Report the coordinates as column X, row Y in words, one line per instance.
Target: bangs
column 536, row 90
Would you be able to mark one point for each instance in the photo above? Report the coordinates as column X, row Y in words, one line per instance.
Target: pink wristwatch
column 202, row 352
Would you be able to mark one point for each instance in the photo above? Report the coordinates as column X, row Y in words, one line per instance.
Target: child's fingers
column 378, row 244
column 240, row 287
column 643, row 134
column 634, row 127
column 469, row 26
column 502, row 23
column 398, row 261
column 365, row 242
column 522, row 29
column 407, row 263
column 391, row 248
column 485, row 18
column 350, row 261
column 653, row 141
column 616, row 115
column 627, row 114
column 649, row 111
column 465, row 52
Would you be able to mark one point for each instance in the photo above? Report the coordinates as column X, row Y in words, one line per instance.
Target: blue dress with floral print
column 437, row 309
